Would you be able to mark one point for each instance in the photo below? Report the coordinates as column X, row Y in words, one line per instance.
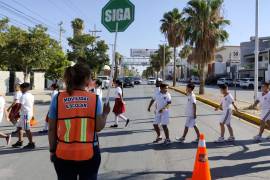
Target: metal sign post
column 113, row 65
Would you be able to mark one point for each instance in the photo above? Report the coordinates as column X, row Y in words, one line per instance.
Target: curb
column 248, row 117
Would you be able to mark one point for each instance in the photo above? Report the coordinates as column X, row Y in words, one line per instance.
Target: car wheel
column 251, row 86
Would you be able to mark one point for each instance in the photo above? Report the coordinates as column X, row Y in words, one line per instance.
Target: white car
column 248, row 83
column 151, row 81
column 195, row 80
column 226, row 81
column 105, row 81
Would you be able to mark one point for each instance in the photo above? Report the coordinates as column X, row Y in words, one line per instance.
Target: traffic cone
column 201, row 167
column 33, row 122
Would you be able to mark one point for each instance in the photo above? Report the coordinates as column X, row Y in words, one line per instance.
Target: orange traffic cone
column 201, row 168
column 33, row 122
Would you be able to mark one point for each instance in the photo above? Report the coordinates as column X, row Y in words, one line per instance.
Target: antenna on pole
column 95, row 31
column 61, row 30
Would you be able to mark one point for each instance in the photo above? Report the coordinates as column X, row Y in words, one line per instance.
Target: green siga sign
column 118, row 11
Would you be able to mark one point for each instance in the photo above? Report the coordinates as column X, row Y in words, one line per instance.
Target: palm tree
column 185, row 54
column 155, row 63
column 204, row 32
column 78, row 26
column 173, row 27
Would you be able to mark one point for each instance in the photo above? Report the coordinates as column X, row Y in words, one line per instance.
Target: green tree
column 3, row 40
column 149, row 72
column 204, row 32
column 173, row 27
column 184, row 54
column 155, row 63
column 85, row 48
column 160, row 56
column 78, row 27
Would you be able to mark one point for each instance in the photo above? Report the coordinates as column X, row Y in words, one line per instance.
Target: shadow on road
column 123, row 132
column 137, row 98
column 129, row 175
column 20, row 150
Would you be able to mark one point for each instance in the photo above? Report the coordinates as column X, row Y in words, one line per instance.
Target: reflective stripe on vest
column 68, row 125
column 83, row 129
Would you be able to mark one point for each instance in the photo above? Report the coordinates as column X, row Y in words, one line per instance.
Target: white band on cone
column 202, row 143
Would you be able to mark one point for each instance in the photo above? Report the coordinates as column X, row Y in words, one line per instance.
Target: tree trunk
column 174, row 66
column 202, row 78
column 25, row 75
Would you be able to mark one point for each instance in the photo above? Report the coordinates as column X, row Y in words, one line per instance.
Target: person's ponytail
column 68, row 77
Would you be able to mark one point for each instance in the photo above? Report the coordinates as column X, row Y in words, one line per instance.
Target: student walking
column 26, row 114
column 264, row 101
column 163, row 101
column 75, row 117
column 191, row 114
column 98, row 88
column 227, row 104
column 2, row 113
column 14, row 108
column 119, row 106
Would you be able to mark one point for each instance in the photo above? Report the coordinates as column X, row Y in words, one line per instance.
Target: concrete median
column 248, row 117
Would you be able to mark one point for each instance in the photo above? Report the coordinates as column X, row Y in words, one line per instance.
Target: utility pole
column 256, row 50
column 61, row 30
column 95, row 31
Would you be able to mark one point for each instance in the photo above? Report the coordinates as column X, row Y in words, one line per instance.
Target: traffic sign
column 119, row 12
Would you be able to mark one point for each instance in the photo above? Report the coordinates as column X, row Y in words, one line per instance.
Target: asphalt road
column 127, row 153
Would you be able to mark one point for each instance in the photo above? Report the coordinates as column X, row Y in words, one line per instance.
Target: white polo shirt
column 17, row 96
column 162, row 100
column 118, row 91
column 264, row 102
column 27, row 103
column 2, row 107
column 227, row 102
column 191, row 99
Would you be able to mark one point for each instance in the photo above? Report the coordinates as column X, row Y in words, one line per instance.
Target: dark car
column 137, row 80
column 128, row 82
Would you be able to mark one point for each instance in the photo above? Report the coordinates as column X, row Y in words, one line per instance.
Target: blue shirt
column 53, row 108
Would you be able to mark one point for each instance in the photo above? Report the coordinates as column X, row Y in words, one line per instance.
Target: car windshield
column 151, row 78
column 103, row 78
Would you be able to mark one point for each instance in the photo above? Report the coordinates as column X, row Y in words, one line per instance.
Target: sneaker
column 17, row 144
column 127, row 123
column 157, row 140
column 8, row 139
column 114, row 126
column 196, row 141
column 30, row 146
column 167, row 141
column 257, row 138
column 231, row 139
column 181, row 140
column 220, row 140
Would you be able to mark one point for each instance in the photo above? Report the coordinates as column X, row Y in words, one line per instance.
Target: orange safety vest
column 76, row 125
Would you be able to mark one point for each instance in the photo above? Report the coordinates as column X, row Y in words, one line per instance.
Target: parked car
column 151, row 81
column 105, row 81
column 195, row 80
column 248, row 83
column 128, row 82
column 137, row 80
column 227, row 81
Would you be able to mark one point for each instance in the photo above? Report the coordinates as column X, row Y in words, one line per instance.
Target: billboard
column 142, row 52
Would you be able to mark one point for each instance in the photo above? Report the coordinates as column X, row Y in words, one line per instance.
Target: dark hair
column 266, row 84
column 75, row 76
column 191, row 86
column 118, row 82
column 163, row 85
column 25, row 85
column 98, row 82
column 55, row 86
column 223, row 86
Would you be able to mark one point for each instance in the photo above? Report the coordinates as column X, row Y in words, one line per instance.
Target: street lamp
column 256, row 50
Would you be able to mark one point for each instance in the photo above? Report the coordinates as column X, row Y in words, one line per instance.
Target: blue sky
column 144, row 32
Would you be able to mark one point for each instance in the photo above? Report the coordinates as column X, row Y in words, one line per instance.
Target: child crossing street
column 227, row 103
column 264, row 101
column 163, row 101
column 191, row 114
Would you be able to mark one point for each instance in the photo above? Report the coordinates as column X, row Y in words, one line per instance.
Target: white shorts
column 24, row 122
column 162, row 118
column 226, row 117
column 190, row 122
column 265, row 116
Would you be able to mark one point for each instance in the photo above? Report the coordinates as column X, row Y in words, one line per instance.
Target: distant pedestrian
column 75, row 117
column 191, row 114
column 119, row 106
column 26, row 114
column 14, row 108
column 2, row 113
column 264, row 101
column 227, row 104
column 55, row 89
column 163, row 101
column 98, row 88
